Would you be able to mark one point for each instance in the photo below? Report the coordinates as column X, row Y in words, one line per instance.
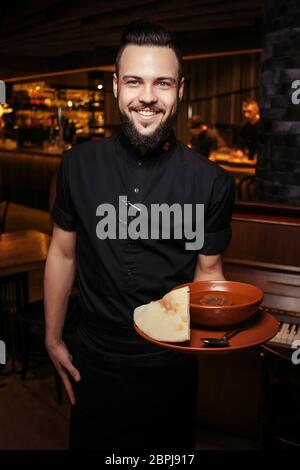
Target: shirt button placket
column 131, row 247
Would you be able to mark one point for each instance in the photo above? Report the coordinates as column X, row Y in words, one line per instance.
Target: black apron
column 132, row 401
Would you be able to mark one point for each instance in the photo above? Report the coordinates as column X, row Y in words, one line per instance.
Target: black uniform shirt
column 248, row 138
column 206, row 142
column 117, row 275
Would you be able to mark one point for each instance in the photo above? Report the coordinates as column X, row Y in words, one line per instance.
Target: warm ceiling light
column 70, row 104
column 100, row 86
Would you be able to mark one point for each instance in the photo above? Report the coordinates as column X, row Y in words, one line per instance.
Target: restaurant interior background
column 56, row 60
column 46, row 115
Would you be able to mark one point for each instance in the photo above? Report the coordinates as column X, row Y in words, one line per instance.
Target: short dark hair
column 148, row 33
column 196, row 121
column 248, row 101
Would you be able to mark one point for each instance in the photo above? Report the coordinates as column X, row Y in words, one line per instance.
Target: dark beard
column 147, row 143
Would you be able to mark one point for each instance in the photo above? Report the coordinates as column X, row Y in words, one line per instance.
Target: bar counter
column 33, row 151
column 28, row 173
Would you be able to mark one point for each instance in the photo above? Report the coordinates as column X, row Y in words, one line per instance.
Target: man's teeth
column 147, row 113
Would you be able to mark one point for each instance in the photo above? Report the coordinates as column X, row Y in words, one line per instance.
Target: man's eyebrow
column 125, row 77
column 166, row 78
column 135, row 77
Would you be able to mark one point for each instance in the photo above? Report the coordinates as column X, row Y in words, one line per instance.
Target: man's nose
column 147, row 94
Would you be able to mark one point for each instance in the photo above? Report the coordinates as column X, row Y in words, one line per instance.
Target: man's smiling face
column 148, row 91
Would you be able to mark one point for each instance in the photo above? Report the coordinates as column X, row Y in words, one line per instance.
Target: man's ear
column 115, row 85
column 181, row 89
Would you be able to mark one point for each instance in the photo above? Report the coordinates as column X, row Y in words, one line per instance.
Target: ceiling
column 39, row 36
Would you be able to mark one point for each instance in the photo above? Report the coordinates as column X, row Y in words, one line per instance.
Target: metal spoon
column 223, row 341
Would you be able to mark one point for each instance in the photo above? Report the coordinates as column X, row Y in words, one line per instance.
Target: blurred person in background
column 203, row 139
column 248, row 134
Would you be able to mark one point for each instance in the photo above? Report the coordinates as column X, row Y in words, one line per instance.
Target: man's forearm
column 216, row 275
column 209, row 269
column 58, row 281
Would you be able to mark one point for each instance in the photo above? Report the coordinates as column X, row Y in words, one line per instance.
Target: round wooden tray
column 261, row 331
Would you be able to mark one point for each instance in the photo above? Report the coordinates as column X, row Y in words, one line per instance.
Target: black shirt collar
column 156, row 154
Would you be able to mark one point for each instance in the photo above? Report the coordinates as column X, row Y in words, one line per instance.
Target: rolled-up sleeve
column 63, row 212
column 217, row 229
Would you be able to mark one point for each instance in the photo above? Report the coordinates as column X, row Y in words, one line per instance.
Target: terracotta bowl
column 242, row 302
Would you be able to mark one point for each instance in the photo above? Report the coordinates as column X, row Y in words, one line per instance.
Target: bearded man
column 127, row 392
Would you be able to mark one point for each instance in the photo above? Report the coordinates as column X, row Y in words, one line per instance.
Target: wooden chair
column 5, row 199
column 22, row 329
column 14, row 296
column 32, row 328
column 246, row 188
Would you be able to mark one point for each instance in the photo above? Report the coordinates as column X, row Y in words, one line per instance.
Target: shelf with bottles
column 55, row 112
column 35, row 118
column 82, row 119
column 35, row 94
column 84, row 99
column 38, row 96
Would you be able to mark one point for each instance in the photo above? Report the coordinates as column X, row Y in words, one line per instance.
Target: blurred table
column 22, row 251
column 232, row 157
column 239, row 164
